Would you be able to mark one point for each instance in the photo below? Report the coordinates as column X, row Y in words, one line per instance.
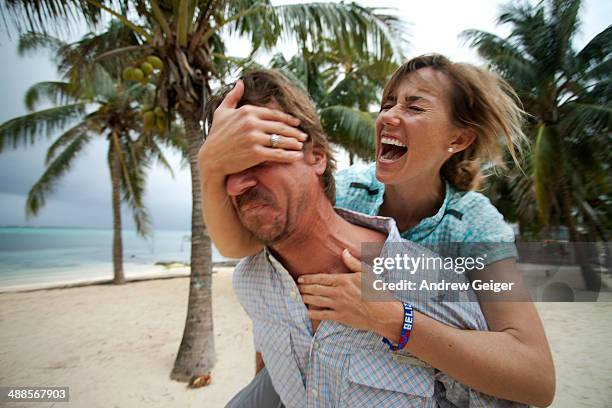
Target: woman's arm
column 239, row 138
column 511, row 361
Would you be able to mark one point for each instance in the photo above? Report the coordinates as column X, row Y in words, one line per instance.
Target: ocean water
column 47, row 255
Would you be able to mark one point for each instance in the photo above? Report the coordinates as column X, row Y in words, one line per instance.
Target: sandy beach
column 114, row 346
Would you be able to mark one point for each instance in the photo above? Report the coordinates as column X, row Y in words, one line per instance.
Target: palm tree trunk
column 118, row 276
column 592, row 279
column 196, row 355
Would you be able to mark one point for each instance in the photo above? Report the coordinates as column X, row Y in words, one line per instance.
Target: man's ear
column 463, row 139
column 319, row 160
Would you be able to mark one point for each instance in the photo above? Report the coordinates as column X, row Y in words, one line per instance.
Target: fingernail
column 301, row 280
column 300, row 144
column 304, row 137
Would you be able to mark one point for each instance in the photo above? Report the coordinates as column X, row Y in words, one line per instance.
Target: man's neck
column 409, row 203
column 317, row 242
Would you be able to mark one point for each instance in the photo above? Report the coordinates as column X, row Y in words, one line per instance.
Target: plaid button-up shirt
column 338, row 366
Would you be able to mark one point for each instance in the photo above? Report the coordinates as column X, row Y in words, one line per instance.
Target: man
column 289, row 208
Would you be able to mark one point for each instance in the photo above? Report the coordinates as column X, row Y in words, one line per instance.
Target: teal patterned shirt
column 464, row 217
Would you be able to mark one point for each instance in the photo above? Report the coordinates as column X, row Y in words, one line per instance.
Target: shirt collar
column 379, row 223
column 427, row 225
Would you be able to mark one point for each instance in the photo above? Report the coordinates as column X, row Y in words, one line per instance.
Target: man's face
column 271, row 197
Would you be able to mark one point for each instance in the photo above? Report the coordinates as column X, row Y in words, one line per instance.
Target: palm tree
column 186, row 36
column 101, row 107
column 567, row 93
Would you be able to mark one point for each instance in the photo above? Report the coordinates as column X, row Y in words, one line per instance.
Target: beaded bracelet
column 406, row 329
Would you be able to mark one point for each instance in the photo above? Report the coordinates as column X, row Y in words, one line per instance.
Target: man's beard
column 264, row 229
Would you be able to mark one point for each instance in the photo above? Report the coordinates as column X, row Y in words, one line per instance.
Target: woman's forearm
column 227, row 233
column 512, row 364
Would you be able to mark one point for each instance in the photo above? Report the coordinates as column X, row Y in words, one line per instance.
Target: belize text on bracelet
column 406, row 329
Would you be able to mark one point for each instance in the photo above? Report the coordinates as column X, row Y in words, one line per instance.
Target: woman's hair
column 480, row 101
column 264, row 86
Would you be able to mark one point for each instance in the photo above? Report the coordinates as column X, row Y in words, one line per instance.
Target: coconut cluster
column 142, row 71
column 153, row 118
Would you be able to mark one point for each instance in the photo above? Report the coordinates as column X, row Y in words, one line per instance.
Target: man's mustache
column 252, row 195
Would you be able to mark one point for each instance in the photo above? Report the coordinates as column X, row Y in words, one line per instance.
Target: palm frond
column 174, row 139
column 65, row 139
column 598, row 73
column 26, row 130
column 33, row 42
column 596, row 50
column 529, row 28
column 350, row 128
column 505, row 57
column 355, row 29
column 55, row 92
column 579, row 116
column 355, row 90
column 54, row 171
column 563, row 24
column 43, row 15
column 100, row 87
column 147, row 147
column 80, row 57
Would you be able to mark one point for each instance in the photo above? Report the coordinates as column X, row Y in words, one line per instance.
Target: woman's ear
column 462, row 140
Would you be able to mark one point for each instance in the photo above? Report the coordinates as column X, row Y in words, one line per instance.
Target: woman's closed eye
column 413, row 108
column 416, row 108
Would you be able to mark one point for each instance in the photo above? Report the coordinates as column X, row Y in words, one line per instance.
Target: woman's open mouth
column 391, row 149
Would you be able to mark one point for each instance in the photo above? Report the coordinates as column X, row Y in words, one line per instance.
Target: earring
column 450, row 149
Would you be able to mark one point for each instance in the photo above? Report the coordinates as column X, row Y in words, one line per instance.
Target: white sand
column 114, row 346
column 579, row 336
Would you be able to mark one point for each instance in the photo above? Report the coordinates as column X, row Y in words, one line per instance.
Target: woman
column 439, row 122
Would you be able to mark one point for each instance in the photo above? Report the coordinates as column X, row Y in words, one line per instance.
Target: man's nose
column 239, row 183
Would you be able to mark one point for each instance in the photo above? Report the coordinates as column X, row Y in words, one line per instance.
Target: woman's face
column 413, row 129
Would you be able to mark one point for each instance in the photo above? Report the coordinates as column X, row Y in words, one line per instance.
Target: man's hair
column 264, row 86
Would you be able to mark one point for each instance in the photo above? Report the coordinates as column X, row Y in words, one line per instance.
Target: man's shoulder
column 250, row 261
column 248, row 279
column 249, row 269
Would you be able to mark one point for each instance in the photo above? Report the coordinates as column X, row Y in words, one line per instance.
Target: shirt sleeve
column 358, row 190
column 343, row 178
column 487, row 232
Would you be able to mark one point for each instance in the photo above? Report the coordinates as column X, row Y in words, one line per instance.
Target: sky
column 83, row 197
